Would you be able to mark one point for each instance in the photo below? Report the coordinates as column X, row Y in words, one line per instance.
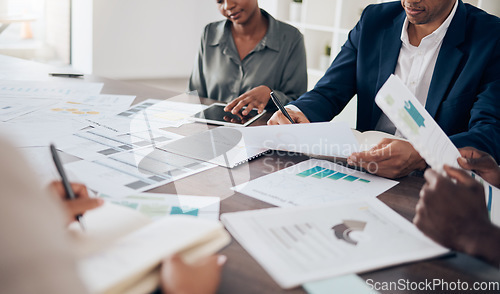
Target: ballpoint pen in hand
column 281, row 107
column 67, row 186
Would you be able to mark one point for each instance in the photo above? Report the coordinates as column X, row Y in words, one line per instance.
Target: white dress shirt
column 416, row 64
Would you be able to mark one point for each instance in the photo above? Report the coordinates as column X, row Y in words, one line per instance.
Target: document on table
column 157, row 206
column 152, row 114
column 44, row 89
column 296, row 245
column 99, row 142
column 39, row 133
column 12, row 107
column 134, row 171
column 423, row 132
column 314, row 182
column 90, row 107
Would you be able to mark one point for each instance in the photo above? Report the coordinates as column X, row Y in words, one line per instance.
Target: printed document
column 301, row 244
column 423, row 132
column 314, row 182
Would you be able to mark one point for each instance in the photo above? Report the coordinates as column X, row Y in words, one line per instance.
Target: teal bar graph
column 350, row 178
column 337, row 176
column 363, row 181
column 310, row 171
column 323, row 173
column 186, row 211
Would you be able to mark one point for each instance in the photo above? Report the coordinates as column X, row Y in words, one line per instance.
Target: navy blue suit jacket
column 464, row 95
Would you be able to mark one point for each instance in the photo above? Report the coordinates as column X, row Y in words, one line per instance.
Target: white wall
column 140, row 38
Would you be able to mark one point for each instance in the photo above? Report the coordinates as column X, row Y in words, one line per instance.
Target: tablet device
column 215, row 114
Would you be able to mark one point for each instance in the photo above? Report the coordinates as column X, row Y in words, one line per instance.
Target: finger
column 431, row 176
column 460, row 175
column 282, row 120
column 300, row 119
column 249, row 108
column 471, row 152
column 240, row 105
column 221, row 260
column 274, row 119
column 261, row 107
column 80, row 190
column 231, row 104
column 383, row 143
column 376, row 155
column 480, row 163
column 80, row 206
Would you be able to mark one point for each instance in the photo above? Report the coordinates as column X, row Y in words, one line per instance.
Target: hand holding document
column 411, row 118
column 301, row 244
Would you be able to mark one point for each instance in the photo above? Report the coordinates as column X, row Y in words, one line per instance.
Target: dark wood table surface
column 242, row 274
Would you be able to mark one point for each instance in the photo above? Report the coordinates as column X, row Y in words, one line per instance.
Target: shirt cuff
column 293, row 107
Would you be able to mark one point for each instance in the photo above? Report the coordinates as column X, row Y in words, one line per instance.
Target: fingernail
column 100, row 200
column 221, row 259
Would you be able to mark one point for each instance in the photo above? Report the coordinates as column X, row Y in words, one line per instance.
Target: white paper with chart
column 301, row 244
column 313, row 182
column 423, row 132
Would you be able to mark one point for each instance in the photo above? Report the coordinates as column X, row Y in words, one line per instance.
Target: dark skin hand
column 77, row 206
column 481, row 163
column 391, row 158
column 455, row 214
column 255, row 98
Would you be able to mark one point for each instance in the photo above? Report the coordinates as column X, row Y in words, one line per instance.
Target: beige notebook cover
column 122, row 249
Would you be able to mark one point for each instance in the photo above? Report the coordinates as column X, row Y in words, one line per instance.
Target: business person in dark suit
column 448, row 55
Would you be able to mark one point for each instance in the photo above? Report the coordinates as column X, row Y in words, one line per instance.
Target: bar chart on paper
column 314, row 182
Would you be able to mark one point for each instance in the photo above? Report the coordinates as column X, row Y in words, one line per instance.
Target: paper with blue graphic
column 423, row 132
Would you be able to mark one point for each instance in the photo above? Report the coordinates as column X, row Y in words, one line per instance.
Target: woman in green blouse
column 248, row 55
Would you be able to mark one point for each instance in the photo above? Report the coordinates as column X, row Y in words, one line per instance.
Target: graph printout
column 313, row 182
column 300, row 244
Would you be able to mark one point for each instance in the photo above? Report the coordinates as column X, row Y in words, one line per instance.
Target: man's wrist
column 482, row 241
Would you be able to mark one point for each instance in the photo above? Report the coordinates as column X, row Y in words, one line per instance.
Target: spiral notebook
column 223, row 146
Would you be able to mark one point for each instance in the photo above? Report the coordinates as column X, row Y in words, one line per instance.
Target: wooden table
column 242, row 274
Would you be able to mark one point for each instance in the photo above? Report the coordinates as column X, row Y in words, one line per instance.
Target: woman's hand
column 203, row 277
column 255, row 98
column 77, row 206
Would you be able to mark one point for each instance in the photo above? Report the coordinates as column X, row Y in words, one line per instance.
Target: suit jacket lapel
column 447, row 62
column 389, row 53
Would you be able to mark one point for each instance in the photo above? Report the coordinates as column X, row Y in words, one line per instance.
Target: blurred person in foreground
column 452, row 209
column 37, row 256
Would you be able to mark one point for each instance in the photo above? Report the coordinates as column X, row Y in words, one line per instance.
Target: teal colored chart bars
column 337, row 176
column 319, row 172
column 323, row 173
column 311, row 171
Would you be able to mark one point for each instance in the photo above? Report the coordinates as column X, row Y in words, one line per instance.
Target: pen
column 66, row 75
column 281, row 107
column 67, row 186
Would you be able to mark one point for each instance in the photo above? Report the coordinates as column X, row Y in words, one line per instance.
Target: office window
column 36, row 30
